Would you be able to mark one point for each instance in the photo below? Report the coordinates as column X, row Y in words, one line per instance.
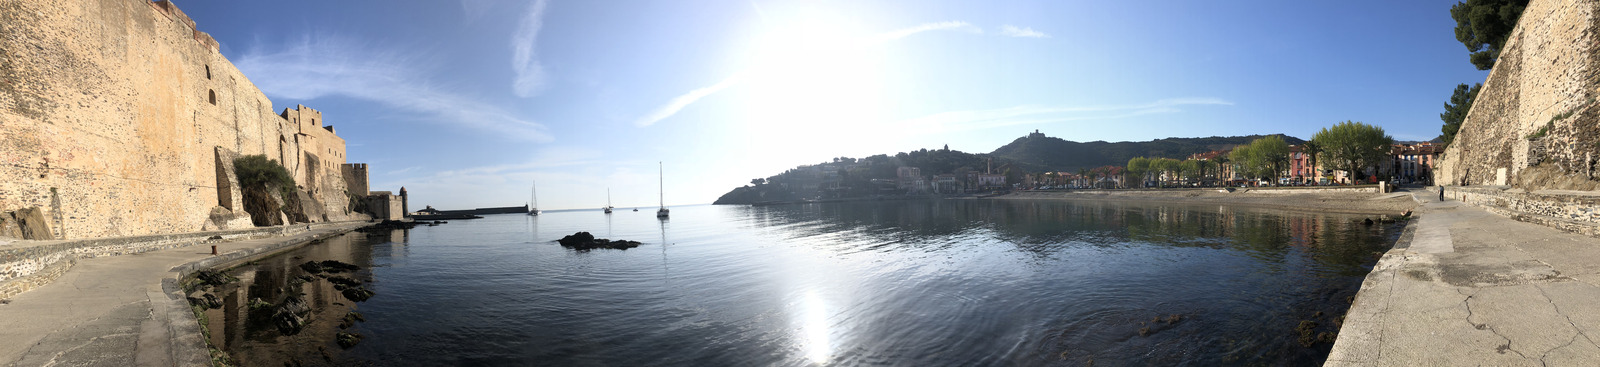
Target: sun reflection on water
column 814, row 329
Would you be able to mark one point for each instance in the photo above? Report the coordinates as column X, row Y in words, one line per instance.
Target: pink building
column 1300, row 169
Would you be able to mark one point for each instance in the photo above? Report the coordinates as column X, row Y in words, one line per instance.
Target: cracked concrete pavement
column 123, row 310
column 1467, row 287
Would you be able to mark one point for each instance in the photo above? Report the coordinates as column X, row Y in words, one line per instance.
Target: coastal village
column 901, row 176
column 138, row 165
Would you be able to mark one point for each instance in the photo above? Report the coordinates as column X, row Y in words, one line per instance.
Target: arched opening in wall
column 213, row 97
column 208, row 71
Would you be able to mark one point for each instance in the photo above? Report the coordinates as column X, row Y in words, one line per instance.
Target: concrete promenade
column 1465, row 287
column 124, row 310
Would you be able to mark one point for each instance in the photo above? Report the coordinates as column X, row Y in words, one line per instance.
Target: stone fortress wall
column 1546, row 80
column 120, row 118
column 1529, row 146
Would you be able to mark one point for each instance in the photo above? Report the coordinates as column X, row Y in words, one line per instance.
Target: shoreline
column 1342, row 201
column 61, row 319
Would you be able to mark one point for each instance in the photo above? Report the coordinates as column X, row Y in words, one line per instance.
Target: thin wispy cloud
column 316, row 67
column 672, row 108
column 1012, row 31
column 955, row 121
column 530, row 76
column 472, row 10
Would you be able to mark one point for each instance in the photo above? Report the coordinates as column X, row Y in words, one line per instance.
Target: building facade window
column 213, row 96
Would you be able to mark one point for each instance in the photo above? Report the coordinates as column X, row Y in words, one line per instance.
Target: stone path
column 122, row 310
column 1468, row 287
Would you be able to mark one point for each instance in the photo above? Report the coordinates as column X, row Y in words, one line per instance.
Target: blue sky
column 466, row 103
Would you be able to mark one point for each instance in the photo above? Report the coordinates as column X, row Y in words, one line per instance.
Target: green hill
column 846, row 177
column 1042, row 153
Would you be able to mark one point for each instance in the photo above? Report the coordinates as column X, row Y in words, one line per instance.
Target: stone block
column 223, row 219
column 229, row 194
column 33, row 224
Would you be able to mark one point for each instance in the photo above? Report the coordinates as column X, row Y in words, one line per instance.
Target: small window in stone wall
column 213, row 96
column 208, row 71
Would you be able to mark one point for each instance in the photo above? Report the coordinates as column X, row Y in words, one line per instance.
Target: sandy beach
column 1349, row 201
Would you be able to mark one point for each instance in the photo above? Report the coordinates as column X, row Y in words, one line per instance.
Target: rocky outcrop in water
column 388, row 225
column 348, row 340
column 583, row 241
column 290, row 315
column 328, row 266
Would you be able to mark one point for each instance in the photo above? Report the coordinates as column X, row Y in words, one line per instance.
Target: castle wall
column 111, row 110
column 1545, row 80
column 355, row 178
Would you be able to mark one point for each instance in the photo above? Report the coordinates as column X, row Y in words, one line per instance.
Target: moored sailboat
column 662, row 190
column 534, row 210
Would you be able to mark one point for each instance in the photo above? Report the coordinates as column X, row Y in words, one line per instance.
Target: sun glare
column 814, row 329
column 816, row 84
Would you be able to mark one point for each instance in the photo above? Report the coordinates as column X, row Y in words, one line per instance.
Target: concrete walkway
column 123, row 310
column 1465, row 287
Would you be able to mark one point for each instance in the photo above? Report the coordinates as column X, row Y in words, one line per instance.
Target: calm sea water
column 941, row 282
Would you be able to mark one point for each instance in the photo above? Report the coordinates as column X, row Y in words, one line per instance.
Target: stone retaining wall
column 1572, row 211
column 27, row 265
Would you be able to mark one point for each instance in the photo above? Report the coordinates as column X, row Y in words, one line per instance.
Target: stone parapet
column 1572, row 211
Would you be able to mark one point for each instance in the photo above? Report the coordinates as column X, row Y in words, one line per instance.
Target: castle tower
column 405, row 210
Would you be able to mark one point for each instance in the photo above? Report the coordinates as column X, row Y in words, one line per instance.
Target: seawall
column 129, row 309
column 25, row 265
column 1571, row 211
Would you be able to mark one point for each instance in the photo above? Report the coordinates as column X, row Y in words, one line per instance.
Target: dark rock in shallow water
column 289, row 316
column 584, row 241
column 348, row 340
column 350, row 319
column 388, row 225
column 213, row 277
column 341, row 283
column 358, row 294
column 207, row 300
column 330, row 266
column 334, row 266
column 311, row 267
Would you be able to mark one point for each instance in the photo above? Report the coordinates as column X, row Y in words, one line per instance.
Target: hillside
column 1042, row 153
column 846, row 177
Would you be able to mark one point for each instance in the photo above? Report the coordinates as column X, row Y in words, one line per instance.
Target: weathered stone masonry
column 1529, row 147
column 116, row 117
column 1545, row 80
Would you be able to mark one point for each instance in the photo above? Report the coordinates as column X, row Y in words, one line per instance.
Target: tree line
column 1348, row 146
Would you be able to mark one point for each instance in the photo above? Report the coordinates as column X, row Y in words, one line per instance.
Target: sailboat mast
column 661, row 173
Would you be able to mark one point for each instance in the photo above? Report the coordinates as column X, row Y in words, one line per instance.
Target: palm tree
column 1312, row 149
